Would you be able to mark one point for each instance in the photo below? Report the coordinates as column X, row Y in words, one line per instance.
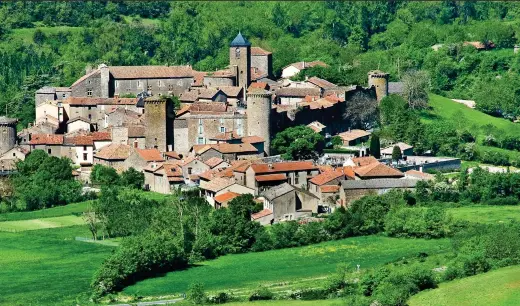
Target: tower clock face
column 237, row 52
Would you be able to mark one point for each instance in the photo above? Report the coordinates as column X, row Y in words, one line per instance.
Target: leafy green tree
column 132, row 178
column 196, row 294
column 297, row 143
column 415, row 89
column 396, row 153
column 336, row 141
column 38, row 37
column 103, row 175
column 375, row 146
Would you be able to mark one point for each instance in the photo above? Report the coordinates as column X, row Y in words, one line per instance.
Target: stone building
column 259, row 116
column 7, row 134
column 378, row 80
column 262, row 60
column 240, row 61
column 287, row 202
column 352, row 190
column 159, row 124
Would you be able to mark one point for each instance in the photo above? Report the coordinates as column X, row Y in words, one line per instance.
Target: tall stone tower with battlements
column 259, row 115
column 240, row 60
column 159, row 123
column 7, row 134
column 379, row 80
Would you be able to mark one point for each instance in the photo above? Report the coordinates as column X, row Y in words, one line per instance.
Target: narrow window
column 89, row 92
column 85, row 156
column 149, row 87
column 222, row 129
column 49, row 151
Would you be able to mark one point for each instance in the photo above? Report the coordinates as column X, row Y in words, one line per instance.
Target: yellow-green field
column 486, row 213
column 496, row 288
column 36, row 224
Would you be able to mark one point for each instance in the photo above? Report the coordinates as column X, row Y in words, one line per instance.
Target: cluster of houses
column 184, row 128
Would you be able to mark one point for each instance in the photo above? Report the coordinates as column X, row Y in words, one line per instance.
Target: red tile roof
column 83, row 140
column 252, row 139
column 324, row 178
column 114, row 151
column 329, row 188
column 259, row 51
column 321, row 82
column 226, row 136
column 88, row 101
column 231, row 91
column 353, row 135
column 283, row 167
column 150, row 72
column 377, row 170
column 101, row 136
column 226, row 148
column 261, row 214
column 150, row 155
column 349, row 171
column 225, row 197
column 258, row 85
column 363, row 161
column 46, row 139
column 218, row 184
column 271, row 177
column 213, row 162
column 172, row 154
column 198, row 78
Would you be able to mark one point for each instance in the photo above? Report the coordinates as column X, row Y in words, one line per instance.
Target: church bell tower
column 240, row 60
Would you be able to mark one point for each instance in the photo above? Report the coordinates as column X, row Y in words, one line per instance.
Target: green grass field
column 287, row 267
column 486, row 213
column 26, row 34
column 496, row 288
column 471, row 119
column 36, row 224
column 48, row 267
column 335, row 302
column 67, row 210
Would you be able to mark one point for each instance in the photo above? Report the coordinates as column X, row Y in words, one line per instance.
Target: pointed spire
column 240, row 41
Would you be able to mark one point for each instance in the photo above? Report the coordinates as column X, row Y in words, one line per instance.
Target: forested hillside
column 53, row 42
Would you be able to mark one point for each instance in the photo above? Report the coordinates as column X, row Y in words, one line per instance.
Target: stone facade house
column 77, row 124
column 377, row 171
column 289, row 203
column 163, row 177
column 329, row 178
column 222, row 185
column 352, row 190
column 354, row 137
column 113, row 155
column 226, row 151
column 140, row 158
column 295, row 95
column 51, row 144
column 223, row 199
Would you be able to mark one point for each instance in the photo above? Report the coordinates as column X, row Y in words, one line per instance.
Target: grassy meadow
column 59, row 211
column 48, row 267
column 36, row 224
column 287, row 268
column 495, row 288
column 486, row 213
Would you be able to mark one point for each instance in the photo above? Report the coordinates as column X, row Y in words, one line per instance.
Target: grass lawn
column 26, row 34
column 334, row 302
column 500, row 287
column 48, row 267
column 473, row 120
column 36, row 224
column 286, row 266
column 66, row 210
column 486, row 213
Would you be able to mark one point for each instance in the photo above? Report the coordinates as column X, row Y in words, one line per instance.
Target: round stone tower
column 259, row 115
column 379, row 80
column 7, row 134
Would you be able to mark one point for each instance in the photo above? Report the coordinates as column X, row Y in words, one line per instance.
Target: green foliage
column 45, row 181
column 132, row 178
column 196, row 294
column 298, row 143
column 375, row 146
column 104, row 176
column 137, row 258
column 261, row 294
column 431, row 222
column 336, row 141
column 396, row 153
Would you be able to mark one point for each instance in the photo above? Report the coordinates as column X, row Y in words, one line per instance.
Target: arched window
column 237, row 52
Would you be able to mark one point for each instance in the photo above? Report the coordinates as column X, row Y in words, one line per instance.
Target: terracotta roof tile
column 271, row 177
column 198, row 78
column 83, row 140
column 101, row 136
column 363, row 161
column 377, row 170
column 225, row 197
column 257, row 74
column 114, row 151
column 261, row 214
column 150, row 155
column 329, row 188
column 135, row 131
column 226, row 136
column 316, row 126
column 231, row 91
column 353, row 135
column 297, row 92
column 252, row 139
column 321, row 82
column 227, row 148
column 324, row 178
column 218, row 184
column 419, row 175
column 46, row 139
column 88, row 101
column 283, row 167
column 349, row 171
column 259, row 51
column 403, row 146
column 258, row 85
column 221, row 73
column 172, row 154
column 150, row 72
column 213, row 162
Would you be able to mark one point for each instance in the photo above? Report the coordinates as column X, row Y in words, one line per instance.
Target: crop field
column 486, row 213
column 36, row 224
column 495, row 288
column 48, row 267
column 287, row 267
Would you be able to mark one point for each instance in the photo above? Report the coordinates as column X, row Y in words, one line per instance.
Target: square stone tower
column 158, row 112
column 240, row 60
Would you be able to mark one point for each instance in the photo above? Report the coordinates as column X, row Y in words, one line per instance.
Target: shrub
column 503, row 201
column 196, row 294
column 220, row 298
column 261, row 294
column 137, row 258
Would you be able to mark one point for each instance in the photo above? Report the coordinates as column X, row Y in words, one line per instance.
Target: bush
column 261, row 294
column 220, row 298
column 196, row 294
column 137, row 258
column 503, row 201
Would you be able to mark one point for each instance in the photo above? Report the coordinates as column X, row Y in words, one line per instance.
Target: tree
column 132, row 178
column 103, row 175
column 415, row 88
column 361, row 111
column 297, row 143
column 336, row 141
column 375, row 146
column 38, row 37
column 196, row 294
column 91, row 220
column 396, row 154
